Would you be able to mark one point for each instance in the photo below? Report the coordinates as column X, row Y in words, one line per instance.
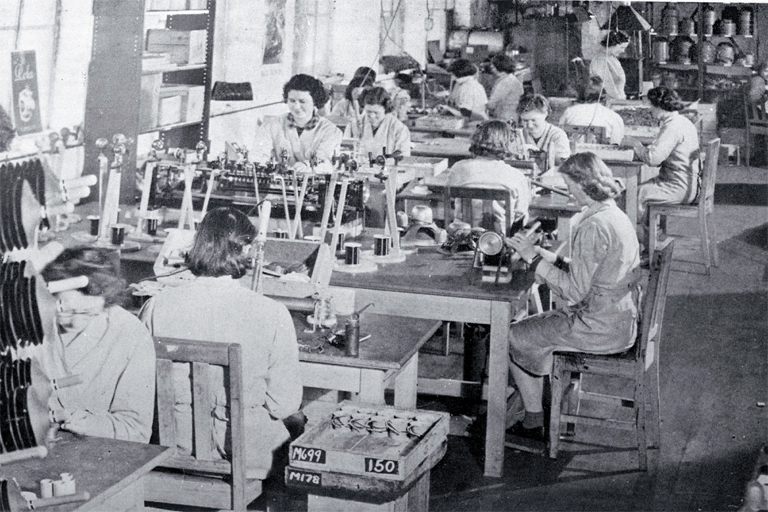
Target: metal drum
column 745, row 22
column 669, row 19
column 660, row 51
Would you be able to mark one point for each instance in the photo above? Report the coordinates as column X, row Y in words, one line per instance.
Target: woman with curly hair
column 378, row 129
column 468, row 95
column 106, row 346
column 675, row 149
column 216, row 307
column 599, row 283
column 490, row 146
column 533, row 110
column 300, row 133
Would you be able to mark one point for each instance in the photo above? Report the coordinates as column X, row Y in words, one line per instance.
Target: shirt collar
column 464, row 79
column 311, row 124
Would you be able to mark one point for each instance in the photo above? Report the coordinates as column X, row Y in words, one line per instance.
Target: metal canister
column 727, row 28
column 352, row 336
column 660, row 51
column 686, row 27
column 669, row 19
column 745, row 22
column 709, row 20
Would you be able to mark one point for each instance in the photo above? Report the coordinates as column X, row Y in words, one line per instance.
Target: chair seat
column 679, row 210
column 600, row 364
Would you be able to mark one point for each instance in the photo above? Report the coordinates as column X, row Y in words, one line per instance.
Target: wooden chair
column 702, row 210
column 204, row 479
column 756, row 121
column 639, row 364
column 586, row 134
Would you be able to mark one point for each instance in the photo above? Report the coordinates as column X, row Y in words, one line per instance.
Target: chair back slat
column 654, row 301
column 501, row 195
column 166, row 400
column 709, row 175
column 237, row 424
column 588, row 134
column 204, row 357
column 202, row 406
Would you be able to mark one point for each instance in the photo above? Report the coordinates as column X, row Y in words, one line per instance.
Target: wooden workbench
column 112, row 471
column 431, row 286
column 389, row 358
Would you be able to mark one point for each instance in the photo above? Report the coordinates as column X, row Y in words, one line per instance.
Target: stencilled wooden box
column 370, row 453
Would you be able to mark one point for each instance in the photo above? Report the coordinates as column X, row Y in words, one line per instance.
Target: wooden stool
column 357, row 471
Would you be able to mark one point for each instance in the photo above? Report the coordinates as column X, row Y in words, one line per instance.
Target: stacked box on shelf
column 172, row 104
column 182, row 46
column 195, row 103
column 148, row 103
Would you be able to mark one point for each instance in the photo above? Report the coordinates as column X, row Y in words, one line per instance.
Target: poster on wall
column 26, row 99
column 274, row 32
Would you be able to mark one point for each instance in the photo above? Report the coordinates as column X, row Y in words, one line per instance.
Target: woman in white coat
column 607, row 66
column 379, row 130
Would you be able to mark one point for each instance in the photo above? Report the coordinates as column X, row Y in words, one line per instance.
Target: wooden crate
column 324, row 448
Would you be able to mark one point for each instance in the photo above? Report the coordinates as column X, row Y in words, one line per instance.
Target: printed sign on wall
column 26, row 99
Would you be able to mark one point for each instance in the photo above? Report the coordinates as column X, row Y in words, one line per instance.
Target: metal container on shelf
column 660, row 51
column 727, row 28
column 686, row 27
column 707, row 53
column 709, row 20
column 745, row 22
column 669, row 19
column 681, row 49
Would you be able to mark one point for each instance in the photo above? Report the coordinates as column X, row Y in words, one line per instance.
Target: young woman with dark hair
column 300, row 132
column 349, row 107
column 108, row 347
column 216, row 307
column 490, row 145
column 533, row 110
column 378, row 128
column 675, row 149
column 606, row 64
column 590, row 112
column 507, row 90
column 600, row 283
column 468, row 94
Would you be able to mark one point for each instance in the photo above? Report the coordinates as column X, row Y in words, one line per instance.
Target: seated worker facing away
column 216, row 307
column 590, row 112
column 676, row 150
column 533, row 110
column 490, row 145
column 105, row 345
column 468, row 95
column 349, row 107
column 506, row 92
column 379, row 128
column 599, row 284
column 300, row 132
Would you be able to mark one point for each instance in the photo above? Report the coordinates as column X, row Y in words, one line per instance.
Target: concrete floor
column 714, row 376
column 714, row 384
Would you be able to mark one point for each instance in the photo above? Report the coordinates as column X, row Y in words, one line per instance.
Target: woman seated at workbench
column 301, row 133
column 507, row 91
column 105, row 345
column 216, row 307
column 349, row 107
column 675, row 149
column 379, row 129
column 468, row 95
column 590, row 112
column 490, row 145
column 600, row 282
column 533, row 110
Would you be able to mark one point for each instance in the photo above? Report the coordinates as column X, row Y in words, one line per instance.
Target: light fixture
column 628, row 19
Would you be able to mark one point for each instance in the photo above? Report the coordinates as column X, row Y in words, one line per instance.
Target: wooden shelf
column 173, row 67
column 711, row 69
column 173, row 13
column 173, row 126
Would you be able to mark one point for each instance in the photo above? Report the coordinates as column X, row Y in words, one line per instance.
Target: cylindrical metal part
column 352, row 336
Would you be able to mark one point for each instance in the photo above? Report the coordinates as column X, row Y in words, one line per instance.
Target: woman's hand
column 523, row 246
column 636, row 144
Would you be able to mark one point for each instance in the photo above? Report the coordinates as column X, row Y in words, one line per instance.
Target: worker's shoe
column 535, row 433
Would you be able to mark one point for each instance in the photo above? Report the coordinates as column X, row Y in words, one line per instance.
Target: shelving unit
column 145, row 94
